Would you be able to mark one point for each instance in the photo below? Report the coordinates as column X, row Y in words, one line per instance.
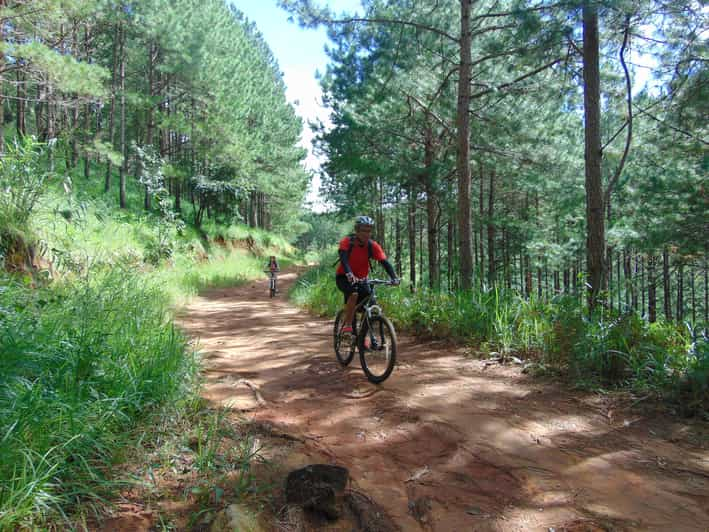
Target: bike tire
column 344, row 353
column 379, row 359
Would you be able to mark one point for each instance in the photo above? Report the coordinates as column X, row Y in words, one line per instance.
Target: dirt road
column 449, row 443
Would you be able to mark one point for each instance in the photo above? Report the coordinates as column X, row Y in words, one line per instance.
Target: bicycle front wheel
column 344, row 350
column 272, row 288
column 377, row 348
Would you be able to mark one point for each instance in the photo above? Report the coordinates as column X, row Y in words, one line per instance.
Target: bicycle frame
column 368, row 306
column 272, row 278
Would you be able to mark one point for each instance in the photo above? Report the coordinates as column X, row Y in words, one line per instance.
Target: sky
column 300, row 54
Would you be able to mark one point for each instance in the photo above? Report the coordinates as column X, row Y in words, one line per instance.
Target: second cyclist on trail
column 355, row 252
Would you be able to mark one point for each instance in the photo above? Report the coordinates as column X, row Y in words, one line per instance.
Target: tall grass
column 80, row 362
column 223, row 268
column 606, row 349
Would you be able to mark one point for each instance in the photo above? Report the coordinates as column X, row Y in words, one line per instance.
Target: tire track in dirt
column 449, row 443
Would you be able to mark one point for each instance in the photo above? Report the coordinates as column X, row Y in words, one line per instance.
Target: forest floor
column 448, row 442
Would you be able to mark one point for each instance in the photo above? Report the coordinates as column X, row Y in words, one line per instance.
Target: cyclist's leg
column 350, row 299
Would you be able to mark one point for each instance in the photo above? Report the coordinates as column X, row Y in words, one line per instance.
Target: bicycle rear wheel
column 344, row 351
column 272, row 288
column 377, row 348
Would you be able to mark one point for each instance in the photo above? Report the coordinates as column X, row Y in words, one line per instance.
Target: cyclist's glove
column 351, row 278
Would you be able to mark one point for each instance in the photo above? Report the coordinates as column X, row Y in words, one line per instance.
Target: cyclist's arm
column 389, row 268
column 345, row 261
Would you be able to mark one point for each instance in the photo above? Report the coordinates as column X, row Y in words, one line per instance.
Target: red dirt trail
column 449, row 443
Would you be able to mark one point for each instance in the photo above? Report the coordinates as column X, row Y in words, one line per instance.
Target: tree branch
column 629, row 137
column 428, row 110
column 390, row 21
column 517, row 80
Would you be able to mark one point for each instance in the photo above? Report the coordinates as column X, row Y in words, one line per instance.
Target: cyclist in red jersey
column 355, row 253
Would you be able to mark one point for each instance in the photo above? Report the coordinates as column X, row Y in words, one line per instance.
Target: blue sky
column 300, row 53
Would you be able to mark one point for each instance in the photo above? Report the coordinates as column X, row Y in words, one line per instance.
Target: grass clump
column 80, row 362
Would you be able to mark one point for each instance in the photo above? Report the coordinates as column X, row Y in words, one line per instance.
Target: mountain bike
column 372, row 334
column 272, row 278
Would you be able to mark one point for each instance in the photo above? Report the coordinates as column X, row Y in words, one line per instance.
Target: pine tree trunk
column 398, row 246
column 2, row 115
column 527, row 276
column 626, row 277
column 2, row 106
column 450, row 252
column 481, row 229
column 40, row 111
column 651, row 291
column 642, row 285
column 2, row 93
column 680, row 292
column 124, row 147
column 412, row 238
column 87, row 136
column 611, row 280
column 575, row 277
column 546, row 279
column 421, row 259
column 557, row 282
column 178, row 196
column 164, row 83
column 150, row 115
column 252, row 209
column 73, row 128
column 463, row 144
column 507, row 265
column 539, row 283
column 431, row 210
column 633, row 281
column 618, row 282
column 112, row 109
column 706, row 289
column 21, row 105
column 381, row 216
column 666, row 284
column 595, row 244
column 74, row 134
column 694, row 294
column 87, row 114
column 262, row 210
column 491, row 273
column 51, row 129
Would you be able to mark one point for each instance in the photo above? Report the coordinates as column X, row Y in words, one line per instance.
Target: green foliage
column 80, row 362
column 22, row 180
column 68, row 74
column 316, row 290
column 322, row 230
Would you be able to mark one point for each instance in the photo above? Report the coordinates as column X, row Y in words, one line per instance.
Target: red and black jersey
column 359, row 256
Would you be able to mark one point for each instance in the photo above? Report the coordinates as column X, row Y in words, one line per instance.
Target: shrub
column 22, row 181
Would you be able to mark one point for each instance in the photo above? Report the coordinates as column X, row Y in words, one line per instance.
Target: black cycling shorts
column 347, row 288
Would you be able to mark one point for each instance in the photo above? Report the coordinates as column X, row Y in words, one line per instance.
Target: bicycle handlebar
column 375, row 282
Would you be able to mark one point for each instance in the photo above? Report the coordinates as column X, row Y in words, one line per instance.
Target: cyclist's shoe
column 367, row 343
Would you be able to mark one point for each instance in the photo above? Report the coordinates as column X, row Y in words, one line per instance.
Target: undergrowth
column 605, row 350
